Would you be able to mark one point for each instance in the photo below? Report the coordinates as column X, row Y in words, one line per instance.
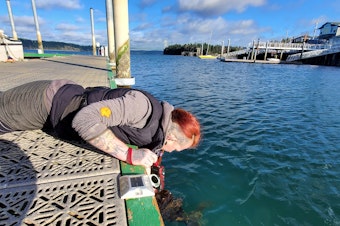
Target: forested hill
column 30, row 44
column 178, row 49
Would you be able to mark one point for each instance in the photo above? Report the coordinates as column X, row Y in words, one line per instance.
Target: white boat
column 207, row 57
column 273, row 60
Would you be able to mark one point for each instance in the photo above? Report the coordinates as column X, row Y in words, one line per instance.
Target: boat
column 207, row 57
column 273, row 60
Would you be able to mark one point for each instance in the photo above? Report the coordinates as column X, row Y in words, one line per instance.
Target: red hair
column 188, row 123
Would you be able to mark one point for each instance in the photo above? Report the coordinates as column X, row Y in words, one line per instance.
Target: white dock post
column 122, row 44
column 252, row 52
column 15, row 36
column 228, row 49
column 222, row 49
column 110, row 32
column 94, row 46
column 303, row 48
column 266, row 51
column 39, row 40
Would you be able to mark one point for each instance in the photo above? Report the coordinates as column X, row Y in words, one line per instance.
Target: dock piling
column 15, row 36
column 122, row 44
column 94, row 49
column 39, row 40
column 110, row 31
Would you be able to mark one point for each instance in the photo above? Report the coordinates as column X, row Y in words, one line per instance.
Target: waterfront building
column 329, row 30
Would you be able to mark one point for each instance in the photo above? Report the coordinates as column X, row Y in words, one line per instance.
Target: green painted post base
column 111, row 74
column 141, row 211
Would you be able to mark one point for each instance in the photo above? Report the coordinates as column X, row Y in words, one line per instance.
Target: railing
column 235, row 53
column 298, row 56
column 290, row 46
column 333, row 48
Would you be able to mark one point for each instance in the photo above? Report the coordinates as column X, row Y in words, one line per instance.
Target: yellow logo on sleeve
column 105, row 112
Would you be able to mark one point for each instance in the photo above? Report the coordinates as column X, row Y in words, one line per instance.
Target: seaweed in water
column 171, row 209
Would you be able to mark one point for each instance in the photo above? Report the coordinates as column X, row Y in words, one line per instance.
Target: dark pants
column 23, row 107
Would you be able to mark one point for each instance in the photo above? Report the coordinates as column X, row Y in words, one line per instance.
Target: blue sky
column 154, row 23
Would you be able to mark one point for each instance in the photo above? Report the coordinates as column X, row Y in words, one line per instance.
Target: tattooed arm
column 92, row 122
column 109, row 143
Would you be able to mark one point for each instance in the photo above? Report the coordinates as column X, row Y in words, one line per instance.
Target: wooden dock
column 47, row 181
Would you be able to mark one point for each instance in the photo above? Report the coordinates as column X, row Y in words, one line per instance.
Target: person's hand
column 144, row 157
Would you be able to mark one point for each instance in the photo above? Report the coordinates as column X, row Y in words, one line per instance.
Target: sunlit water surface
column 270, row 153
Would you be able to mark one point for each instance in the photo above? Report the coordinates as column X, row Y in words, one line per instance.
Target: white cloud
column 80, row 19
column 245, row 27
column 101, row 19
column 143, row 26
column 75, row 36
column 213, row 7
column 320, row 20
column 67, row 27
column 24, row 26
column 146, row 3
column 50, row 4
column 193, row 29
column 25, row 20
column 187, row 29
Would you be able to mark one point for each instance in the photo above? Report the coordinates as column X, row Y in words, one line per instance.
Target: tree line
column 178, row 49
column 52, row 45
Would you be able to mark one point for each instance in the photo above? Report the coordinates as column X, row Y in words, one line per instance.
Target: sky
column 155, row 24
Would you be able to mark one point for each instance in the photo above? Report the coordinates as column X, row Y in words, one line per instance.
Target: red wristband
column 129, row 156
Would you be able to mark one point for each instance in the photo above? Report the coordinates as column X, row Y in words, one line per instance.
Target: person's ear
column 171, row 137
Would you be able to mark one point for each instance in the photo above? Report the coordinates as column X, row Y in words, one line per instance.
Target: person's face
column 176, row 140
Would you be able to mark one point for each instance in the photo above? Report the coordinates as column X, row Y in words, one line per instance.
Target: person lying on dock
column 108, row 119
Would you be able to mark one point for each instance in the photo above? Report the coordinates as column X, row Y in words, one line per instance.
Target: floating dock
column 294, row 53
column 253, row 61
column 48, row 181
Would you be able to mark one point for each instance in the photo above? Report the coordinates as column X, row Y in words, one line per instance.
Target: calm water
column 270, row 154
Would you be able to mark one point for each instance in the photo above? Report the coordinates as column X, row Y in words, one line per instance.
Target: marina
column 321, row 50
column 327, row 54
column 294, row 53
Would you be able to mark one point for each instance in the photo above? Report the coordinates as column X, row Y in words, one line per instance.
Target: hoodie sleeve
column 133, row 109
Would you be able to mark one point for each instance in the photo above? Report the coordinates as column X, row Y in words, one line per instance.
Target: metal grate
column 45, row 181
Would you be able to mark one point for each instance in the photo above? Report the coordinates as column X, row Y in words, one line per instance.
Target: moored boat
column 207, row 57
column 273, row 60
